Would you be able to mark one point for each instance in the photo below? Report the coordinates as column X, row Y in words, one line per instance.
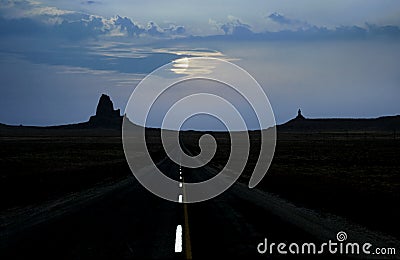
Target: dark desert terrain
column 347, row 168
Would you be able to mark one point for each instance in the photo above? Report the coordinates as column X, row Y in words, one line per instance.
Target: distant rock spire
column 299, row 115
column 105, row 107
column 106, row 116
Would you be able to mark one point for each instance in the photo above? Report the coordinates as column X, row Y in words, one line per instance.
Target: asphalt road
column 129, row 222
column 132, row 223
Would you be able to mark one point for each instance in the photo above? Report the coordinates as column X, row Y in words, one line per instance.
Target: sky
column 329, row 58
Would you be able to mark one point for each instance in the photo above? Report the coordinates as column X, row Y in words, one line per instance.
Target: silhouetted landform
column 106, row 116
column 303, row 124
column 299, row 115
column 108, row 121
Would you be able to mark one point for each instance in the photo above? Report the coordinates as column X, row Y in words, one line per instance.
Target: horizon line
column 154, row 127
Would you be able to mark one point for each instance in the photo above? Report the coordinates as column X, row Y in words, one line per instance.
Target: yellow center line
column 188, row 247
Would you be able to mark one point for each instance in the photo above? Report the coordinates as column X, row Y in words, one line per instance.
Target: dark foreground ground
column 353, row 175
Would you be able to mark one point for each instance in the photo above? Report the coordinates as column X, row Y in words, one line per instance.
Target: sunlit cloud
column 81, row 70
column 47, row 10
column 13, row 9
column 192, row 52
column 184, row 66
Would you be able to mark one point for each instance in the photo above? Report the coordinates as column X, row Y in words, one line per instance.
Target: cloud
column 234, row 26
column 22, row 26
column 175, row 29
column 89, row 2
column 35, row 18
column 128, row 26
column 153, row 29
column 283, row 20
column 46, row 11
column 92, row 27
column 31, row 18
column 294, row 29
column 383, row 30
column 13, row 9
